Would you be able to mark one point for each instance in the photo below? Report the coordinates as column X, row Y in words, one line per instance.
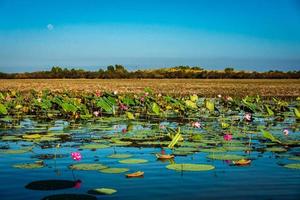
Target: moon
column 50, row 27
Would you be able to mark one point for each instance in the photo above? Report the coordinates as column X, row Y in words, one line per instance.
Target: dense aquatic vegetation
column 47, row 126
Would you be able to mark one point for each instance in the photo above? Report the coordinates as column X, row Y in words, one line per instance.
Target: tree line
column 119, row 71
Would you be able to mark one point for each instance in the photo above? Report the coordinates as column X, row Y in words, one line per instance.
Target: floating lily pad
column 88, row 166
column 133, row 161
column 94, row 146
column 294, row 158
column 114, row 170
column 276, row 149
column 190, row 167
column 118, row 155
column 102, row 191
column 50, row 185
column 32, row 136
column 28, row 165
column 49, row 156
column 70, row 197
column 213, row 150
column 16, row 151
column 225, row 157
column 293, row 166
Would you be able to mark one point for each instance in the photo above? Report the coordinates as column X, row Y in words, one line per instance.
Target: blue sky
column 251, row 35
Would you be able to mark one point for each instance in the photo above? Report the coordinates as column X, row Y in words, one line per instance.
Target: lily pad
column 88, row 166
column 293, row 166
column 225, row 157
column 16, row 151
column 294, row 158
column 114, row 170
column 28, row 165
column 133, row 161
column 276, row 149
column 190, row 167
column 102, row 191
column 213, row 150
column 118, row 155
column 94, row 146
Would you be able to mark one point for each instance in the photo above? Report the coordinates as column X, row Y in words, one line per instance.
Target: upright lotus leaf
column 105, row 104
column 269, row 110
column 130, row 115
column 155, row 108
column 191, row 104
column 209, row 105
column 297, row 113
column 224, row 125
column 3, row 110
column 194, row 98
column 175, row 139
column 268, row 135
column 68, row 107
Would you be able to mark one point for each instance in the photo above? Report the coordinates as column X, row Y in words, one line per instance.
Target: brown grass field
column 202, row 87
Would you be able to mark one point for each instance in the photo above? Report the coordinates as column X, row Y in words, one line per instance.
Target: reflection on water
column 42, row 153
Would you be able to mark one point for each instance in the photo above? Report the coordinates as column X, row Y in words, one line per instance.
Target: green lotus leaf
column 237, row 148
column 213, row 150
column 225, row 157
column 276, row 149
column 114, row 170
column 190, row 167
column 102, row 191
column 88, row 166
column 94, row 146
column 28, row 165
column 293, row 166
column 119, row 155
column 133, row 161
column 16, row 151
column 294, row 158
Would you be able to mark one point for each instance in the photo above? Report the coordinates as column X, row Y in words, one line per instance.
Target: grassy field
column 203, row 87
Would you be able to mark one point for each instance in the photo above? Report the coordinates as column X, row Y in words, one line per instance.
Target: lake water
column 265, row 178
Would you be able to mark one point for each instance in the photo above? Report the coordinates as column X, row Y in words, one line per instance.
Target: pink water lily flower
column 77, row 184
column 227, row 137
column 123, row 107
column 98, row 93
column 196, row 125
column 286, row 132
column 76, row 156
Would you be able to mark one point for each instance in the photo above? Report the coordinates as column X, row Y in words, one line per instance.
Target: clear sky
column 255, row 35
